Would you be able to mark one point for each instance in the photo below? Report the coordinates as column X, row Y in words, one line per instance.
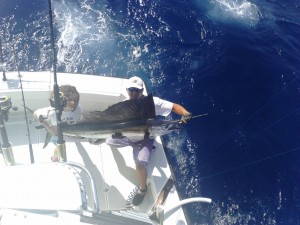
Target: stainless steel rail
column 92, row 182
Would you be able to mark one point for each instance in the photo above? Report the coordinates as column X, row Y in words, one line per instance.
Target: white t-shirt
column 162, row 107
column 69, row 117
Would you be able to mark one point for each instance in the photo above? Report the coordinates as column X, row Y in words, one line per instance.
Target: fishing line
column 2, row 61
column 265, row 128
column 105, row 189
column 24, row 106
column 275, row 122
column 246, row 121
column 249, row 163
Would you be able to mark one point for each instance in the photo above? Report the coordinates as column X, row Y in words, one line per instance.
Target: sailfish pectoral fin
column 47, row 139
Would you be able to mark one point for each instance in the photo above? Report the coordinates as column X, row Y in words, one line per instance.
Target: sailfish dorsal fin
column 132, row 109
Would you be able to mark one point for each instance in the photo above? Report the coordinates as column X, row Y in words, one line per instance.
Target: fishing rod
column 58, row 106
column 24, row 104
column 2, row 62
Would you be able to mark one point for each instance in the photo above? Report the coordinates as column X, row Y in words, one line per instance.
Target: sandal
column 139, row 196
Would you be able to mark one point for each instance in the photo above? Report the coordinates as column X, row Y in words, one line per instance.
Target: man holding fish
column 143, row 148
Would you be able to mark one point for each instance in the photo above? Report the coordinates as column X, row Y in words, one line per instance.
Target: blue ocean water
column 236, row 60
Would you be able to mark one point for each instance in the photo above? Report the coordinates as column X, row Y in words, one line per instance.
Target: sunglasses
column 134, row 89
column 71, row 99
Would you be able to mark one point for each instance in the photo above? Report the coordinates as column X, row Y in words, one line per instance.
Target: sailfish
column 131, row 118
column 134, row 118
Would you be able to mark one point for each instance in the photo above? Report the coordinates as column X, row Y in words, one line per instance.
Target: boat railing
column 92, row 183
column 159, row 215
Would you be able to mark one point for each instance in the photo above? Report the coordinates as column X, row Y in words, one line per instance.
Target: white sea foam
column 242, row 11
column 232, row 212
column 77, row 25
column 233, row 11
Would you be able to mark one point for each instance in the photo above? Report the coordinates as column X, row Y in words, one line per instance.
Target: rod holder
column 61, row 152
column 8, row 155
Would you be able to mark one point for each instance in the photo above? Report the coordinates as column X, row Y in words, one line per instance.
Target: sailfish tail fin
column 47, row 139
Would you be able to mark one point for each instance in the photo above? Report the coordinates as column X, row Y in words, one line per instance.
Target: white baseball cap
column 135, row 82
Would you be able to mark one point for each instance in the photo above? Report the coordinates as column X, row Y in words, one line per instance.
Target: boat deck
column 112, row 169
